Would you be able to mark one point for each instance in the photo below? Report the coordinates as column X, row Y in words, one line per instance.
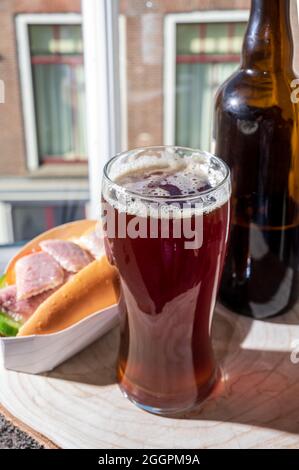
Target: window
column 206, row 51
column 30, row 206
column 53, row 88
column 58, row 84
column 30, row 219
column 43, row 115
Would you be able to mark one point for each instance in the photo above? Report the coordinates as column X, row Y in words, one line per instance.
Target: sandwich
column 56, row 280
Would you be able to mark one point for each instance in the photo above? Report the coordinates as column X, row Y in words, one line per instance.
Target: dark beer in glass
column 166, row 218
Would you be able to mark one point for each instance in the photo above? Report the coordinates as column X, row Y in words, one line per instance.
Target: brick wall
column 144, row 68
column 145, row 21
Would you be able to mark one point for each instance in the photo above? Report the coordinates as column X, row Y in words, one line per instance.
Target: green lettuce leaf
column 2, row 281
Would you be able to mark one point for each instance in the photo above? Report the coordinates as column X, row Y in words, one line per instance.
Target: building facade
column 173, row 56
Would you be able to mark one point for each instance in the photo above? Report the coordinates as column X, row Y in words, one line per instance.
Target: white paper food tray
column 40, row 353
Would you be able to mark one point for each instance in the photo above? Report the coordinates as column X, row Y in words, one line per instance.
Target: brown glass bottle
column 257, row 134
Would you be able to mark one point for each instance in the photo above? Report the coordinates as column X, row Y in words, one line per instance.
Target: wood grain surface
column 79, row 405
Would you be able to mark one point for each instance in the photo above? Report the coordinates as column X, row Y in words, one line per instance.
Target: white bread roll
column 94, row 288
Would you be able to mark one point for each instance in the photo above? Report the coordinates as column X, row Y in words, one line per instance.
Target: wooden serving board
column 79, row 405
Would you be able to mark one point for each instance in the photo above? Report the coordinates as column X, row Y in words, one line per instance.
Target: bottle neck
column 268, row 42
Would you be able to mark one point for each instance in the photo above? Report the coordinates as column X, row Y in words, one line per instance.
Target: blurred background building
column 173, row 55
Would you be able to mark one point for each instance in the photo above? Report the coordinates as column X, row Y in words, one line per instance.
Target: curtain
column 59, row 105
column 195, row 93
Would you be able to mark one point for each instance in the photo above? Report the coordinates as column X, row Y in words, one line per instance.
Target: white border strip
column 29, row 118
column 169, row 85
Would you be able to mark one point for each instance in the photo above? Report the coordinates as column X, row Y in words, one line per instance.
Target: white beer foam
column 141, row 173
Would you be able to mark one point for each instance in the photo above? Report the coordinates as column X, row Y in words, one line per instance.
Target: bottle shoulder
column 258, row 89
column 243, row 77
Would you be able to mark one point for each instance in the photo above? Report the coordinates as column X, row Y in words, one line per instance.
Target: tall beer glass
column 166, row 219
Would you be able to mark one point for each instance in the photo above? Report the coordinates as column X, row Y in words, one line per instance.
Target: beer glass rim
column 169, row 197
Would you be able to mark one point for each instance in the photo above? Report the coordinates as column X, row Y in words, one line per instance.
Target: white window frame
column 23, row 21
column 101, row 59
column 170, row 24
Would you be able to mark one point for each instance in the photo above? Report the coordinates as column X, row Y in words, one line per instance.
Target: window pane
column 213, row 56
column 60, row 111
column 188, row 39
column 196, row 88
column 237, row 39
column 55, row 39
column 29, row 220
column 210, row 38
column 58, row 80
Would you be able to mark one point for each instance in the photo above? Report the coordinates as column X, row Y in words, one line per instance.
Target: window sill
column 43, row 187
column 60, row 171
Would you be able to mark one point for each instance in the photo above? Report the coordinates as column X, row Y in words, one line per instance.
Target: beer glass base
column 176, row 409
